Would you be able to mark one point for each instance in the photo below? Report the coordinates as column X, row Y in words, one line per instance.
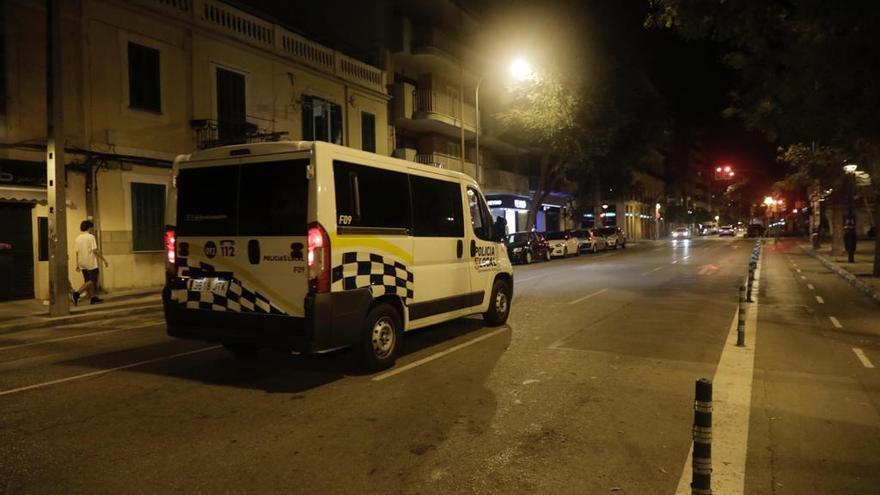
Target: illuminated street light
column 521, row 70
column 850, row 168
column 769, row 201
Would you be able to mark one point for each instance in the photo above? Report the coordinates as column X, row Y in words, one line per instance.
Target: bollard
column 741, row 319
column 701, row 478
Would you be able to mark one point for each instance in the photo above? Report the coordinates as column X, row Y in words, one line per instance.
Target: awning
column 23, row 194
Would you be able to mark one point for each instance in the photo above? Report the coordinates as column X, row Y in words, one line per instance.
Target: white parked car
column 562, row 244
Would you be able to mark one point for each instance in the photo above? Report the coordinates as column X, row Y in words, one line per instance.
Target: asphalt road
column 588, row 389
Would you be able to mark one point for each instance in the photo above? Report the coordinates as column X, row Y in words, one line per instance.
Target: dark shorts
column 90, row 275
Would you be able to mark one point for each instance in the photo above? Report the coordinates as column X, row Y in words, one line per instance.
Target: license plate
column 217, row 286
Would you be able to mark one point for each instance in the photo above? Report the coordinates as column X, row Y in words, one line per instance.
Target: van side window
column 371, row 197
column 437, row 210
column 480, row 216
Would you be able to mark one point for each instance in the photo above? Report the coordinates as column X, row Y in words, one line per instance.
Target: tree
column 544, row 115
column 802, row 68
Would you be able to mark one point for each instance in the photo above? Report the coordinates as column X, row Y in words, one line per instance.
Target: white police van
column 310, row 246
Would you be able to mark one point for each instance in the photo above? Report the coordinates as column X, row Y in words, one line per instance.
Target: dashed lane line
column 820, row 300
column 90, row 334
column 863, row 358
column 798, row 270
column 803, row 277
column 580, row 299
column 811, row 287
column 652, row 271
column 109, row 370
column 432, row 357
column 835, row 322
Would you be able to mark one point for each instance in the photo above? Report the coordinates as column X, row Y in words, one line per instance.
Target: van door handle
column 459, row 248
column 473, row 248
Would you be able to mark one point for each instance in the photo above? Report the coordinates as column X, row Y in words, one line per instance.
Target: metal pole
column 477, row 128
column 701, row 477
column 59, row 289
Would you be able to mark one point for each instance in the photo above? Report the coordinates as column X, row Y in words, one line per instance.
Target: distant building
column 144, row 81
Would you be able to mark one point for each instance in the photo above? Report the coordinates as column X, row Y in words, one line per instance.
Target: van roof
column 276, row 147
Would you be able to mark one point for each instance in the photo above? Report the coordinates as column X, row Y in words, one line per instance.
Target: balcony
column 447, row 162
column 504, row 182
column 211, row 133
column 437, row 112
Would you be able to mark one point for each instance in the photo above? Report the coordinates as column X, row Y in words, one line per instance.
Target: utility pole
column 59, row 289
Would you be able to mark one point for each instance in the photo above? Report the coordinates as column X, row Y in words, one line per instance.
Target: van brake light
column 318, row 258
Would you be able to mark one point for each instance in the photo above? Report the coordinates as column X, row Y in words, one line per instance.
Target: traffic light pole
column 59, row 303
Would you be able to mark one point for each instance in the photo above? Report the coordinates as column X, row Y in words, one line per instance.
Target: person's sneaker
column 75, row 297
column 96, row 300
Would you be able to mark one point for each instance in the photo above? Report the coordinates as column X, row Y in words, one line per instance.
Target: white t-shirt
column 86, row 245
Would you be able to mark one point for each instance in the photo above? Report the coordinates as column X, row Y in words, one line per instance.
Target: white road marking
column 659, row 249
column 820, row 300
column 109, row 370
column 798, row 270
column 90, row 334
column 810, row 286
column 803, row 277
column 732, row 387
column 863, row 358
column 588, row 296
column 414, row 364
column 674, row 262
column 835, row 322
column 652, row 271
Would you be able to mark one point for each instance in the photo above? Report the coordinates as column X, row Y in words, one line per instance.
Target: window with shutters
column 147, row 216
column 368, row 132
column 231, row 106
column 322, row 120
column 144, row 86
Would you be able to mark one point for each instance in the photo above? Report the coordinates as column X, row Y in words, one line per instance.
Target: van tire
column 382, row 325
column 499, row 304
column 243, row 352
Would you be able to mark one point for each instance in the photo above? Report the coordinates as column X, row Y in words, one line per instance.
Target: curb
column 46, row 321
column 842, row 273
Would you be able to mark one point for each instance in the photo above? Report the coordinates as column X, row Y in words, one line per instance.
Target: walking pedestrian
column 849, row 239
column 87, row 256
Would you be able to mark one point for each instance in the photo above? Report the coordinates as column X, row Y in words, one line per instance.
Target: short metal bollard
column 701, row 480
column 741, row 319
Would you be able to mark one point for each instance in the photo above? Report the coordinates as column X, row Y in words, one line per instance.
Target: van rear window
column 206, row 201
column 253, row 199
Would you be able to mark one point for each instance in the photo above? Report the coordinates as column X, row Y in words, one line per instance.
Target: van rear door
column 241, row 235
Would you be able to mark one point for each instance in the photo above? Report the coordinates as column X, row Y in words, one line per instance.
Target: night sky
column 592, row 35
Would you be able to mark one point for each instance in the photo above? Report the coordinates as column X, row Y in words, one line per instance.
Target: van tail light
column 170, row 253
column 318, row 258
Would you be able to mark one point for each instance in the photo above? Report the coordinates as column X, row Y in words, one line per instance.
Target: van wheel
column 381, row 338
column 243, row 352
column 528, row 257
column 499, row 304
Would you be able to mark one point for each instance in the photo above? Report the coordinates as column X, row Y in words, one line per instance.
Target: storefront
column 22, row 188
column 514, row 209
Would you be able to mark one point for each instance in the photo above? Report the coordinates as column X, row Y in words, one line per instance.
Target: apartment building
column 144, row 81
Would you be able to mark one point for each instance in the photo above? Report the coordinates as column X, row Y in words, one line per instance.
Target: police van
column 310, row 247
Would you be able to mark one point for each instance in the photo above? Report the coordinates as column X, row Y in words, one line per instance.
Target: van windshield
column 266, row 199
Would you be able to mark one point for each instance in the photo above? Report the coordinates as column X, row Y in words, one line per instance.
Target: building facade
column 145, row 81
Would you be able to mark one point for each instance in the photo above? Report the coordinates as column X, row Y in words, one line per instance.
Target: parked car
column 614, row 237
column 562, row 243
column 588, row 240
column 525, row 247
column 681, row 233
column 727, row 230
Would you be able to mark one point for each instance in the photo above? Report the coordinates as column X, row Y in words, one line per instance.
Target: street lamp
column 521, row 70
column 850, row 171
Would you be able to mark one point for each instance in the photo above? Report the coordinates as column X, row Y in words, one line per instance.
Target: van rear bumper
column 332, row 320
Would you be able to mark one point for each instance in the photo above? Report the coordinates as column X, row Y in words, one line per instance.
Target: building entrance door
column 16, row 252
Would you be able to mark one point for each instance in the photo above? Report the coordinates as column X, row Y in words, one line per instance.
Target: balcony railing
column 434, row 102
column 211, row 133
column 447, row 162
column 230, row 21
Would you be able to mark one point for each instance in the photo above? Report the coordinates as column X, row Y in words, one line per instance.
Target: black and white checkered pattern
column 238, row 298
column 381, row 274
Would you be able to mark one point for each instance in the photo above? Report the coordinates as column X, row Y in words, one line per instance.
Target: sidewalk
column 33, row 313
column 858, row 274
